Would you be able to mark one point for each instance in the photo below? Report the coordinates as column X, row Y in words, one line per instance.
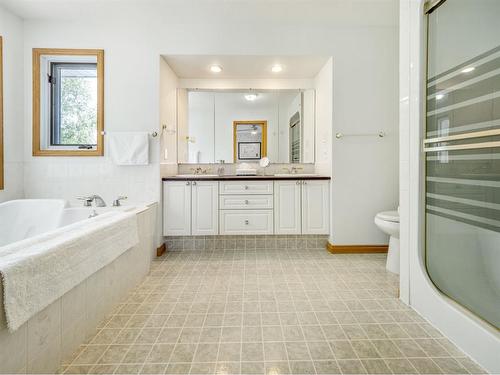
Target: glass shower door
column 462, row 149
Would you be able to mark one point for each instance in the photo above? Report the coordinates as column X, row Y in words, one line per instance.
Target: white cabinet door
column 315, row 207
column 176, row 208
column 205, row 208
column 287, row 207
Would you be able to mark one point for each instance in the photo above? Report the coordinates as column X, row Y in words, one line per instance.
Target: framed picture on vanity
column 249, row 150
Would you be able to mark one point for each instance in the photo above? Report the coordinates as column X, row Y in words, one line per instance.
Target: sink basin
column 196, row 175
column 295, row 174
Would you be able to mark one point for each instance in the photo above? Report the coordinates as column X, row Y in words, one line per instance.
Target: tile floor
column 267, row 311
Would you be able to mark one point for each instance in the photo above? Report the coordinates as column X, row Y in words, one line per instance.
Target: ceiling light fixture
column 251, row 97
column 277, row 68
column 468, row 70
column 216, row 68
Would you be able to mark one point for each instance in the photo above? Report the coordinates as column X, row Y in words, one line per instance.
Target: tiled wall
column 183, row 243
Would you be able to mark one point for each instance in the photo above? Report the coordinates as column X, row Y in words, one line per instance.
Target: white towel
column 129, row 148
column 39, row 270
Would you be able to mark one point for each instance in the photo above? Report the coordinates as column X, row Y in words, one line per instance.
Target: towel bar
column 153, row 134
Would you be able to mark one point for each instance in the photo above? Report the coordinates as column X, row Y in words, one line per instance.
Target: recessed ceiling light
column 439, row 96
column 468, row 70
column 216, row 68
column 251, row 97
column 277, row 68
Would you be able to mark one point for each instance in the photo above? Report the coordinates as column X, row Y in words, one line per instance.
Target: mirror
column 245, row 126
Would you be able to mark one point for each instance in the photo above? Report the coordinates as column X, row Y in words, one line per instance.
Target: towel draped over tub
column 37, row 271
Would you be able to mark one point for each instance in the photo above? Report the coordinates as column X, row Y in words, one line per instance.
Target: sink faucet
column 292, row 170
column 198, row 170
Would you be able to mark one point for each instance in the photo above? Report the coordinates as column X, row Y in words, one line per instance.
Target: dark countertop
column 244, row 178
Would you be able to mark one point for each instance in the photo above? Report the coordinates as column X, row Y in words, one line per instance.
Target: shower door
column 462, row 152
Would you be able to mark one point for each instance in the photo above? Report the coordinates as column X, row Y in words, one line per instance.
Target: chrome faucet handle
column 116, row 202
column 87, row 201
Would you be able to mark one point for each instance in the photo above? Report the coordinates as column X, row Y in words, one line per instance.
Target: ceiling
column 246, row 67
column 333, row 12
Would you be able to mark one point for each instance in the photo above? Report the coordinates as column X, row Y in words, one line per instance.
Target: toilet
column 388, row 222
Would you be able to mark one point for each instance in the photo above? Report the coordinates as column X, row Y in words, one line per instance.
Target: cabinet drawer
column 246, row 221
column 245, row 202
column 246, row 187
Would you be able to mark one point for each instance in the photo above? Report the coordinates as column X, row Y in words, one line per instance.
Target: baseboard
column 161, row 250
column 356, row 249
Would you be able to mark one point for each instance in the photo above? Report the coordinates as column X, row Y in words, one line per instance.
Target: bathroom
column 306, row 264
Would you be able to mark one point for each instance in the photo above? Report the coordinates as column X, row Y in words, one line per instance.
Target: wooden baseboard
column 356, row 249
column 161, row 250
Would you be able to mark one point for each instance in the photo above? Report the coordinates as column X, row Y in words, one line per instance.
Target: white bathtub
column 53, row 334
column 25, row 218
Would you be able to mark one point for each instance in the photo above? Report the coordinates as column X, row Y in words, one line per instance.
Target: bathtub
column 55, row 333
column 25, row 218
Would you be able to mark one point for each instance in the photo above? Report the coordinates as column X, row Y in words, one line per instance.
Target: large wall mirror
column 244, row 126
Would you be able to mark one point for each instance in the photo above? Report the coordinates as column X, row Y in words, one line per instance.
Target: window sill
column 98, row 152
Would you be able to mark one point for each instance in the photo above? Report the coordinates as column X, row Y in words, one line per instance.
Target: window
column 67, row 102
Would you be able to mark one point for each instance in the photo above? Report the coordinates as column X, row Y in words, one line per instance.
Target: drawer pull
column 188, row 183
column 246, row 187
column 246, row 201
column 247, row 222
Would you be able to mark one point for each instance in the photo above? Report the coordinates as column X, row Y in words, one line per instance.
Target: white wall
column 474, row 337
column 365, row 169
column 168, row 113
column 360, row 35
column 131, row 103
column 323, row 83
column 11, row 29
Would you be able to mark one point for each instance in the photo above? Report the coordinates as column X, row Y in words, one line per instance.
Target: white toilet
column 388, row 222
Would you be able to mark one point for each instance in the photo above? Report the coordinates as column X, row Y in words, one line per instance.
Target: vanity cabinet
column 190, row 208
column 209, row 208
column 177, row 208
column 301, row 207
column 287, row 207
column 246, row 207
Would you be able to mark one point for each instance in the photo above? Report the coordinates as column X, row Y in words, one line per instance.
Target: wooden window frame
column 2, row 181
column 37, row 54
column 263, row 124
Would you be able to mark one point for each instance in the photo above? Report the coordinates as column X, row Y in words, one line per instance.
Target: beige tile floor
column 267, row 311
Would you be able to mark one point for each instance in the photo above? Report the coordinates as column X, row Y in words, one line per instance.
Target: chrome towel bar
column 153, row 134
column 380, row 134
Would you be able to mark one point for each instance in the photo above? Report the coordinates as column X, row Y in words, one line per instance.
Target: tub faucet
column 87, row 201
column 99, row 202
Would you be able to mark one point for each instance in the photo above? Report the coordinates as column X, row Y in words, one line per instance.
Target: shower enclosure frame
column 477, row 339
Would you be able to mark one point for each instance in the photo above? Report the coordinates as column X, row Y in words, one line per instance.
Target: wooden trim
column 1, row 117
column 37, row 53
column 262, row 123
column 356, row 249
column 161, row 250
